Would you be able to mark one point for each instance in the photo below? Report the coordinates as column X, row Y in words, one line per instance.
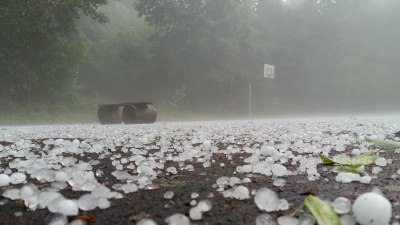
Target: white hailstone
column 12, row 194
column 77, row 222
column 57, row 219
column 146, row 222
column 88, row 186
column 87, row 202
column 129, row 188
column 177, row 219
column 101, row 191
column 60, row 185
column 194, row 195
column 169, row 195
column 103, row 203
column 279, row 182
column 205, row 205
column 32, row 201
column 306, row 219
column 279, row 170
column 193, row 202
column 54, row 205
column 172, row 170
column 233, row 181
column 241, row 193
column 28, row 190
column 68, row 207
column 246, row 180
column 4, row 180
column 342, row 205
column 99, row 173
column 195, row 213
column 265, row 219
column 17, row 178
column 61, row 176
column 267, row 200
column 347, row 177
column 287, row 220
column 283, row 204
column 247, row 169
column 355, row 151
column 372, row 209
column 221, row 181
column 381, row 161
column 45, row 197
column 365, row 179
column 376, row 170
column 114, row 195
column 348, row 220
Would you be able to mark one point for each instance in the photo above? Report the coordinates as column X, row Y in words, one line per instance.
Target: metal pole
column 250, row 111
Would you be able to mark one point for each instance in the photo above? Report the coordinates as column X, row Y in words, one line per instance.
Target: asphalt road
column 217, row 149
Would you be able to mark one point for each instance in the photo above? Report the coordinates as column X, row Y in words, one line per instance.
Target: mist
column 197, row 59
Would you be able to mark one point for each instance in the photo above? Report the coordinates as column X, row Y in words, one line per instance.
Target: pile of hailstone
column 139, row 154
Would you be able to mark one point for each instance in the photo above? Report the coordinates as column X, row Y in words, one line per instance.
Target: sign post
column 269, row 73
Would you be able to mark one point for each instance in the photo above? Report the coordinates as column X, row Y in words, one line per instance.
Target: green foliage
column 325, row 54
column 40, row 48
column 322, row 211
column 358, row 160
column 203, row 45
column 386, row 145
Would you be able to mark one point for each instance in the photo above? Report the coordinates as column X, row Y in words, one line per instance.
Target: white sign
column 269, row 71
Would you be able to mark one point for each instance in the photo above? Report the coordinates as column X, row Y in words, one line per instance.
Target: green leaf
column 362, row 159
column 326, row 160
column 352, row 169
column 384, row 144
column 397, row 134
column 322, row 211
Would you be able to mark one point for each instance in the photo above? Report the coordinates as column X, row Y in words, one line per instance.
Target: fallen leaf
column 352, row 169
column 90, row 219
column 322, row 211
column 385, row 144
column 362, row 159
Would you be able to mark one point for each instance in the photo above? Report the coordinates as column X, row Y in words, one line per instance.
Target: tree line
column 200, row 56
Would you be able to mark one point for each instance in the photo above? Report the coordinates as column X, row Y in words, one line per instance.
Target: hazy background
column 195, row 59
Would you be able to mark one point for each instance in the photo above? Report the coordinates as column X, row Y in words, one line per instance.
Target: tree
column 40, row 48
column 203, row 45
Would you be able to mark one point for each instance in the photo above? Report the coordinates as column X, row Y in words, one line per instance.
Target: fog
column 197, row 59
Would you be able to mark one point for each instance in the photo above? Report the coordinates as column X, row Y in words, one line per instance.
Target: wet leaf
column 352, row 169
column 322, row 211
column 362, row 159
column 326, row 160
column 139, row 216
column 90, row 219
column 385, row 144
